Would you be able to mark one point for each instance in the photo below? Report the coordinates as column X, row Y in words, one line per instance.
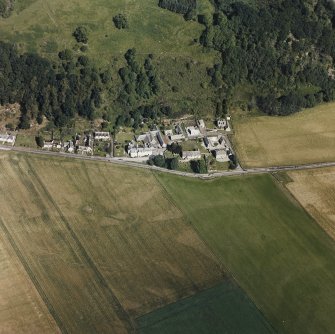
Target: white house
column 193, row 132
column 48, row 144
column 221, row 123
column 135, row 152
column 102, row 135
column 7, row 139
column 177, row 138
column 201, row 124
column 221, row 155
column 85, row 150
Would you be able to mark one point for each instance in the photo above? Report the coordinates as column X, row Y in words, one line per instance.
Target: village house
column 84, row 150
column 191, row 155
column 193, row 132
column 7, row 139
column 48, row 145
column 140, row 152
column 68, row 146
column 221, row 155
column 221, row 123
column 102, row 136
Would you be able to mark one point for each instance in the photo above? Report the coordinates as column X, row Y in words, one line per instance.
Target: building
column 179, row 129
column 102, row 136
column 193, row 132
column 161, row 139
column 139, row 152
column 176, row 138
column 221, row 123
column 7, row 139
column 68, row 146
column 84, row 150
column 48, row 145
column 221, row 155
column 201, row 124
column 191, row 155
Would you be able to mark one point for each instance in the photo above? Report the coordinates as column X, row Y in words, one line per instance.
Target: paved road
column 117, row 161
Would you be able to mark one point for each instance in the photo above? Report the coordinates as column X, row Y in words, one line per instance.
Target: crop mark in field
column 33, row 278
column 119, row 310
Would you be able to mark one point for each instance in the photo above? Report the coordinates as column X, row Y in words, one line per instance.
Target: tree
column 159, row 161
column 173, row 163
column 120, row 21
column 81, row 35
column 39, row 141
column 199, row 166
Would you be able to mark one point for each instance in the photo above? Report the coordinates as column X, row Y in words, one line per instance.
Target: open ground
column 305, row 137
column 315, row 190
column 277, row 253
column 102, row 244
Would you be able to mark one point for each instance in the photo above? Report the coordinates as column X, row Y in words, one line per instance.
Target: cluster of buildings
column 6, row 138
column 155, row 142
column 79, row 144
column 147, row 144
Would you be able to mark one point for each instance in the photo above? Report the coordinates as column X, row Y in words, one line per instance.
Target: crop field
column 21, row 308
column 315, row 190
column 216, row 310
column 302, row 138
column 277, row 253
column 99, row 247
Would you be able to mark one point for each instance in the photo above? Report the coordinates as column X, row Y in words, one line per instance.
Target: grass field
column 276, row 252
column 315, row 190
column 100, row 249
column 305, row 137
column 216, row 310
column 21, row 308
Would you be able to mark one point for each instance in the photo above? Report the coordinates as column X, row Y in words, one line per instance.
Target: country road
column 118, row 161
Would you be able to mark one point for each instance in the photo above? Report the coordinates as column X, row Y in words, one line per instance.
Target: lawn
column 277, row 253
column 305, row 137
column 99, row 247
column 222, row 309
column 315, row 190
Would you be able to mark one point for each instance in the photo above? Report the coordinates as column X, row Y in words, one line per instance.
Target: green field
column 46, row 27
column 276, row 252
column 216, row 310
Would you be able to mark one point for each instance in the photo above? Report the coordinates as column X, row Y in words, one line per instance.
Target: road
column 118, row 161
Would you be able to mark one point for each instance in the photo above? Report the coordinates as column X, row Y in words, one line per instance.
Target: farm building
column 101, row 136
column 191, row 155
